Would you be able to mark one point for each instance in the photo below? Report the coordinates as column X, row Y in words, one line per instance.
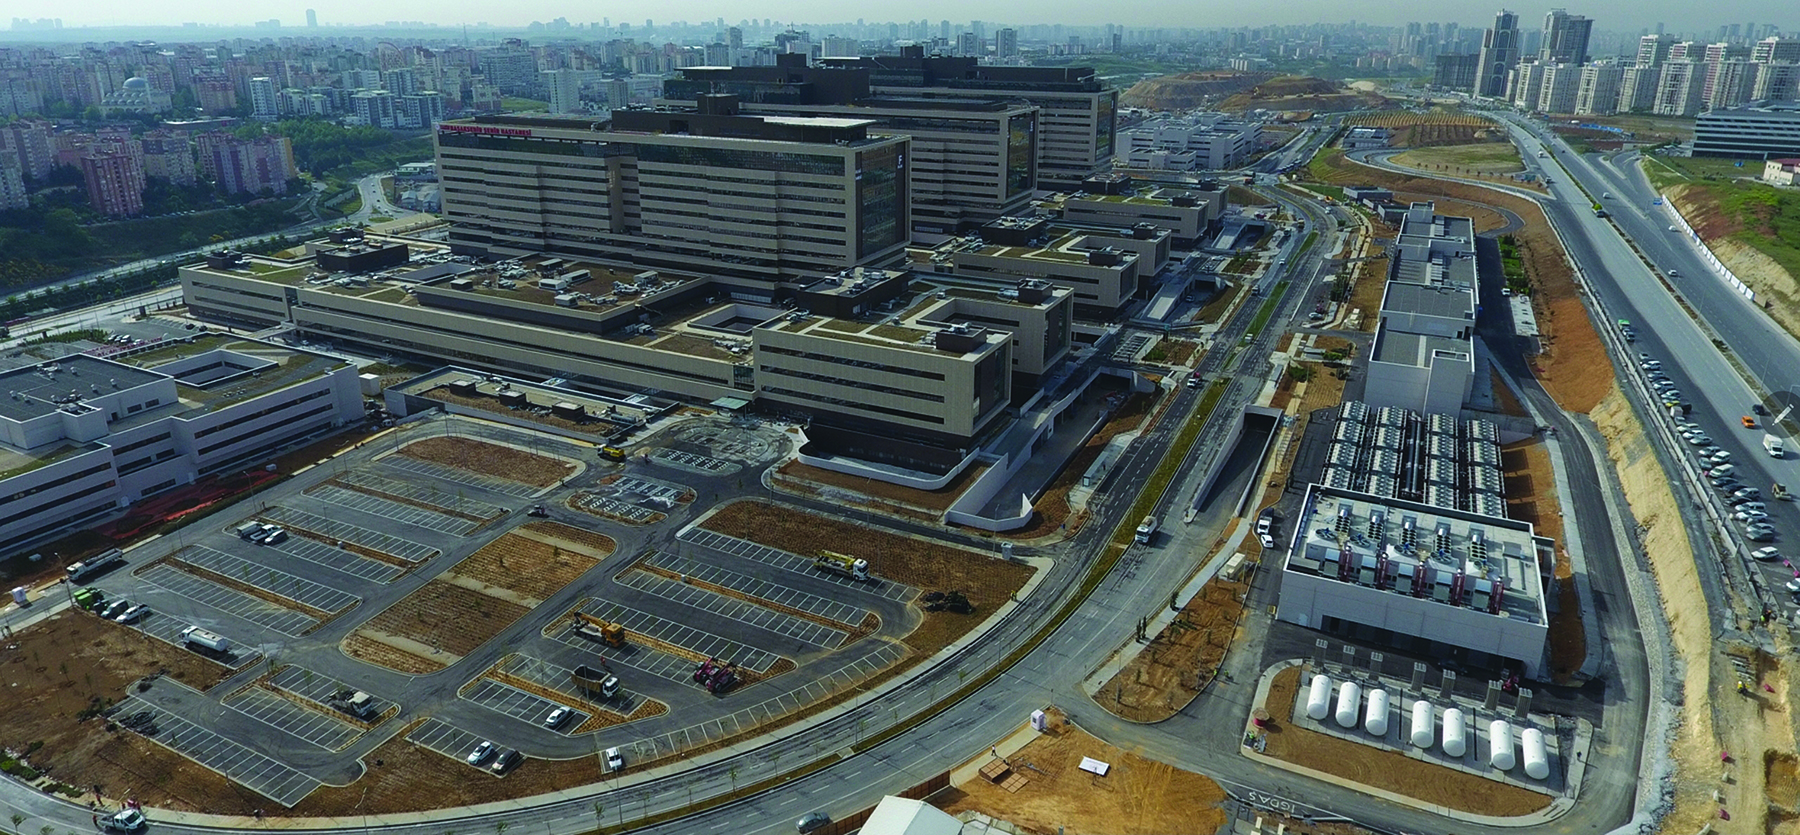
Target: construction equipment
column 715, row 675
column 600, row 629
column 595, row 682
column 612, row 453
column 843, row 564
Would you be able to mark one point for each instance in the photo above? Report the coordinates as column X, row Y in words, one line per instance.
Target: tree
column 1299, row 373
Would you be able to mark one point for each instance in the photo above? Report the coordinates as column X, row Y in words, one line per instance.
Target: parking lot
column 377, row 506
column 664, row 495
column 338, row 559
column 447, row 739
column 653, row 661
column 694, row 462
column 605, row 506
column 451, row 498
column 518, row 704
column 795, row 563
column 318, row 688
column 254, row 771
column 761, row 589
column 706, row 600
column 167, row 628
column 373, row 540
column 272, row 580
column 696, row 641
column 404, row 465
column 228, row 600
column 323, row 730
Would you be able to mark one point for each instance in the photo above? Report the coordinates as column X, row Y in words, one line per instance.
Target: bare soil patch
column 73, row 662
column 1483, row 217
column 525, row 566
column 1138, row 796
column 883, row 492
column 366, row 648
column 596, row 545
column 490, row 460
column 1504, row 399
column 1531, row 496
column 1181, row 660
column 444, row 616
column 1383, row 769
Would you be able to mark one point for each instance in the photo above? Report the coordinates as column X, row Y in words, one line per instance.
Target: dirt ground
column 1481, row 216
column 596, row 545
column 1716, row 722
column 1504, row 399
column 1573, row 366
column 56, row 669
column 1383, row 769
column 1138, row 796
column 987, row 580
column 933, row 500
column 442, row 616
column 1180, row 661
column 1531, row 497
column 520, row 568
column 490, row 459
column 1052, row 511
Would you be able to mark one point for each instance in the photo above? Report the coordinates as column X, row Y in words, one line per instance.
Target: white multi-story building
column 375, row 108
column 564, row 87
column 1598, row 94
column 265, row 101
column 1679, row 88
column 1561, row 83
column 1422, row 358
column 83, row 436
column 1209, row 141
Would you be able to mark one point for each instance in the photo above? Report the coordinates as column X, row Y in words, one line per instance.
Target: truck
column 715, row 675
column 843, row 564
column 250, row 529
column 195, row 636
column 1780, row 491
column 90, row 599
column 595, row 682
column 354, row 702
column 599, row 629
column 612, row 453
column 95, row 564
column 1146, row 529
column 1772, row 445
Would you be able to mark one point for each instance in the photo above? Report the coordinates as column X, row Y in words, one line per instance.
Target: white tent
column 899, row 816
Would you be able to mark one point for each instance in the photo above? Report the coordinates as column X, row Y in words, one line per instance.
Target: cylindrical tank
column 1500, row 745
column 1349, row 698
column 1318, row 700
column 1375, row 719
column 1421, row 724
column 1537, row 760
column 1456, row 740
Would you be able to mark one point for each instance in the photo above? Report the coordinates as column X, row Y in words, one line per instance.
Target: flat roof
column 1446, row 300
column 41, row 389
column 1401, row 348
column 1353, row 537
column 263, row 367
column 817, row 121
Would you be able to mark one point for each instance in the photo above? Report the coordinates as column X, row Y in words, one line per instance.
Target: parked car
column 506, row 761
column 1748, row 493
column 1760, row 533
column 556, row 717
column 481, row 753
column 115, row 608
column 615, row 761
column 1768, row 554
column 812, row 821
column 132, row 614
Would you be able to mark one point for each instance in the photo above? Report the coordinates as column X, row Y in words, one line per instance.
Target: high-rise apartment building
column 973, row 160
column 248, row 166
column 12, row 186
column 1598, row 92
column 1565, row 38
column 1777, row 81
column 1775, row 49
column 32, row 144
column 375, row 108
column 1499, row 54
column 1637, row 89
column 1653, row 50
column 114, row 177
column 1077, row 111
column 1525, row 86
column 1729, row 82
column 401, row 81
column 1678, row 88
column 766, row 199
column 420, row 110
column 265, row 101
column 1456, row 72
column 169, row 156
column 564, row 88
column 1006, row 43
column 1561, row 83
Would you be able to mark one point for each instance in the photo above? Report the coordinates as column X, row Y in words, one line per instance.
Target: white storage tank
column 1500, row 745
column 1421, row 723
column 1349, row 698
column 1537, row 758
column 1456, row 740
column 1375, row 719
column 1318, row 700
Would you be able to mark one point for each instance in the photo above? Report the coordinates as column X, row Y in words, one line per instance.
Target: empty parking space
column 167, row 629
column 446, row 739
column 604, row 506
column 318, row 688
column 407, row 466
column 706, row 600
column 653, row 661
column 697, row 641
column 338, row 559
column 273, row 580
column 325, row 731
column 373, row 540
column 795, row 563
column 525, row 707
column 229, row 600
column 656, row 491
column 448, row 498
column 261, row 774
column 704, row 464
column 375, row 505
column 761, row 589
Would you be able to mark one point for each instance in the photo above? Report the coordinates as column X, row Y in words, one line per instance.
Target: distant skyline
column 1613, row 15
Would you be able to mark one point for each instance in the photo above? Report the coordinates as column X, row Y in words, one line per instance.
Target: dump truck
column 843, row 564
column 715, row 675
column 1772, row 445
column 595, row 682
column 95, row 564
column 1146, row 529
column 600, row 629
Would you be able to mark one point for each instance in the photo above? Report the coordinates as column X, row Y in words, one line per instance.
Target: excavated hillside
column 1190, row 90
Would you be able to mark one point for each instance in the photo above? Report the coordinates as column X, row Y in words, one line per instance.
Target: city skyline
column 1613, row 15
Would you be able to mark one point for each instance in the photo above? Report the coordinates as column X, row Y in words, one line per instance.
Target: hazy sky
column 1619, row 15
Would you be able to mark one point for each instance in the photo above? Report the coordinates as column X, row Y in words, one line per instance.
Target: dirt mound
column 1189, row 90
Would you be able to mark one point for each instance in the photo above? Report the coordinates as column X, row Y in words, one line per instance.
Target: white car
column 615, row 761
column 481, row 753
column 1766, row 554
column 132, row 614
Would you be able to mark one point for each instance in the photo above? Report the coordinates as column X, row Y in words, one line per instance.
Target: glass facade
column 832, row 166
column 1104, row 124
column 1021, row 154
column 881, row 198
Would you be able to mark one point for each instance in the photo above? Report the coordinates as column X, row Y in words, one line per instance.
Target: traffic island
column 1464, row 783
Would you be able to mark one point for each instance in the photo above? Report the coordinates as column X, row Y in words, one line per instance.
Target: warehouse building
column 1423, row 357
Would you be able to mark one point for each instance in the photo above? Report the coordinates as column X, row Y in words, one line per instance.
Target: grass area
column 1512, row 264
column 1267, row 310
column 1478, row 158
column 1734, row 213
column 1672, row 171
column 516, row 103
column 1333, row 192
